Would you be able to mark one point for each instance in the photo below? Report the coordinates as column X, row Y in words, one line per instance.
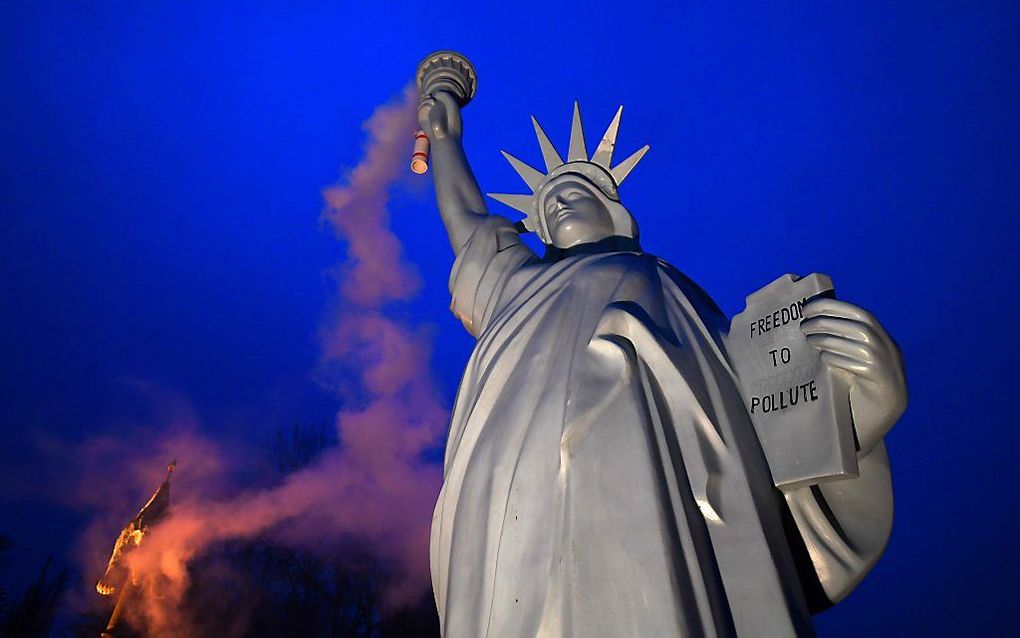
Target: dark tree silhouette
column 34, row 612
column 260, row 587
column 5, row 545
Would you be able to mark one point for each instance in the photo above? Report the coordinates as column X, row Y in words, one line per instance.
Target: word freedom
column 778, row 318
column 776, row 401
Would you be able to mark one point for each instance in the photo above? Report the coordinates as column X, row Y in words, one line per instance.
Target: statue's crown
column 595, row 170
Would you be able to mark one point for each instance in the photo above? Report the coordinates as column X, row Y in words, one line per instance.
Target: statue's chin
column 569, row 237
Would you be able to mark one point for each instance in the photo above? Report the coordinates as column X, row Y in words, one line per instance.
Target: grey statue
column 602, row 476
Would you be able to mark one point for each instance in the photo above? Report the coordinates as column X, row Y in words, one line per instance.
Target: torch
column 441, row 71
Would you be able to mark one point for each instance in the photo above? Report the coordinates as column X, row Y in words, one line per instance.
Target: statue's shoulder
column 676, row 281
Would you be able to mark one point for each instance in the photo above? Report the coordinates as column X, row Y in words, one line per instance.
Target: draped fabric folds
column 602, row 476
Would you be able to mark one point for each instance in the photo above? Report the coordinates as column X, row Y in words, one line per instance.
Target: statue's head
column 573, row 211
column 577, row 201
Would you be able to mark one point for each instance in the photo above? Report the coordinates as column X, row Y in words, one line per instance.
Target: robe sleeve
column 481, row 271
column 845, row 525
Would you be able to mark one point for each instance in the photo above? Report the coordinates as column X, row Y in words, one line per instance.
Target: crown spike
column 531, row 176
column 577, row 152
column 549, row 154
column 604, row 153
column 520, row 203
column 624, row 168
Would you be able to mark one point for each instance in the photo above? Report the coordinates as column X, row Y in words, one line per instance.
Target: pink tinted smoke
column 375, row 272
column 375, row 486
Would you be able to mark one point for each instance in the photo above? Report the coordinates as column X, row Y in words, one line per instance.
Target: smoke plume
column 374, row 486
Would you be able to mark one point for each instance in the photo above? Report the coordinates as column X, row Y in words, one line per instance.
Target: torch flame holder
column 447, row 71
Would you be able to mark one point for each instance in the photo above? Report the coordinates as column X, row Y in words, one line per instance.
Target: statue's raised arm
column 460, row 201
column 488, row 248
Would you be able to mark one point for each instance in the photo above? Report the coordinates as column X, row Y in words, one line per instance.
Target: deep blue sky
column 160, row 171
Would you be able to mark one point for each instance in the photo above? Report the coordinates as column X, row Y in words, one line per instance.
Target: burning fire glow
column 129, row 537
column 375, row 485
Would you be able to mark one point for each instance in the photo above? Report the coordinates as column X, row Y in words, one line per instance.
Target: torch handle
column 420, row 154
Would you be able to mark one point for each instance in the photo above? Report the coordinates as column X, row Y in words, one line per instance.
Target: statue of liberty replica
column 603, row 474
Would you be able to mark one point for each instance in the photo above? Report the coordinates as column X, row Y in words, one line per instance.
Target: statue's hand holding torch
column 439, row 116
column 446, row 82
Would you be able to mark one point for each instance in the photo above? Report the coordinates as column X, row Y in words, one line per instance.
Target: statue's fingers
column 447, row 98
column 837, row 308
column 843, row 362
column 848, row 328
column 425, row 105
column 840, row 345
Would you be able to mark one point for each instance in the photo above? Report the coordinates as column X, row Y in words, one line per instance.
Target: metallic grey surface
column 602, row 474
column 595, row 175
column 447, row 71
column 798, row 406
column 855, row 345
column 845, row 525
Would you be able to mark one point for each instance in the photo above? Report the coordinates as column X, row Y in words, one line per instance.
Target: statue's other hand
column 853, row 343
column 439, row 116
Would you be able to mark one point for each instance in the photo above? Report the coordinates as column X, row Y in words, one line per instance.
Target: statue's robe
column 602, row 475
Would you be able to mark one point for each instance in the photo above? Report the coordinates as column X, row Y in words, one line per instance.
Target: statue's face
column 574, row 213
